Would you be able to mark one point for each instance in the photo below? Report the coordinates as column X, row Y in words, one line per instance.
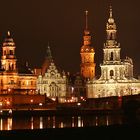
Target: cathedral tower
column 8, row 60
column 112, row 67
column 116, row 74
column 87, row 54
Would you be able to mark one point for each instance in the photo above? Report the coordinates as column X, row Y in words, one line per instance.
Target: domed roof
column 8, row 41
column 111, row 20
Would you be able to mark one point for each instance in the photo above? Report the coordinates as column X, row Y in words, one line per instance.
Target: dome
column 111, row 20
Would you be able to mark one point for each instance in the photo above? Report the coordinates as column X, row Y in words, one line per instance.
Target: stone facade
column 52, row 84
column 116, row 74
column 14, row 79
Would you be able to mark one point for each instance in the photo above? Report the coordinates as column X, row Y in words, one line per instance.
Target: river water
column 41, row 122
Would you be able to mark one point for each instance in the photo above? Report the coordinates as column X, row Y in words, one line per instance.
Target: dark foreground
column 115, row 132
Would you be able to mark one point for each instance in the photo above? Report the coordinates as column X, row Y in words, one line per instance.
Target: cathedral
column 116, row 74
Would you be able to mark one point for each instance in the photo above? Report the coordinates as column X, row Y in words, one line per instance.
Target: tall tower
column 116, row 74
column 87, row 54
column 112, row 67
column 8, row 59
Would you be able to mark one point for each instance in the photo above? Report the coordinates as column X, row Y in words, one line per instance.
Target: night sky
column 34, row 23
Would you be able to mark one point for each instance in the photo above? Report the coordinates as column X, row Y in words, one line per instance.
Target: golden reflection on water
column 41, row 122
column 32, row 123
column 72, row 124
column 96, row 121
column 107, row 121
column 53, row 121
column 61, row 125
column 9, row 124
column 1, row 124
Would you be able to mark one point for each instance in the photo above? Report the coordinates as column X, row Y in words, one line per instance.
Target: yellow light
column 8, row 103
column 0, row 103
column 78, row 104
column 40, row 104
column 53, row 99
column 31, row 100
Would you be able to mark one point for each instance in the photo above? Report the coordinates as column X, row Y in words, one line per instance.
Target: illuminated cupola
column 87, row 54
column 111, row 31
column 111, row 47
column 8, row 59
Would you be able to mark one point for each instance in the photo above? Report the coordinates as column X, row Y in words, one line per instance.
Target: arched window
column 111, row 73
column 111, row 56
column 11, row 52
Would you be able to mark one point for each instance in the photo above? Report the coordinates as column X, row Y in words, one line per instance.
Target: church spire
column 111, row 29
column 86, row 31
column 111, row 20
column 110, row 11
column 8, row 34
column 86, row 19
column 48, row 52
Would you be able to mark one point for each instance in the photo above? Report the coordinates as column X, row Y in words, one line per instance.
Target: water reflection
column 32, row 123
column 9, row 124
column 40, row 122
column 1, row 124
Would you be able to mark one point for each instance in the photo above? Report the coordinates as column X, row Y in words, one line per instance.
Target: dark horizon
column 61, row 23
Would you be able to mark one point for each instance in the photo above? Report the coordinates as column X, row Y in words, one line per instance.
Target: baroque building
column 52, row 83
column 116, row 74
column 87, row 54
column 14, row 79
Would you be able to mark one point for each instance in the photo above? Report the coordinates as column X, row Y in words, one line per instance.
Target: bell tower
column 87, row 53
column 8, row 59
column 112, row 67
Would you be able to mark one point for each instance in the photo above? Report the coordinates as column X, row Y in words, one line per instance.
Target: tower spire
column 8, row 33
column 111, row 27
column 110, row 19
column 86, row 12
column 110, row 12
column 48, row 52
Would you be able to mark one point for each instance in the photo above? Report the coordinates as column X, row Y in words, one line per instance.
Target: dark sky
column 34, row 23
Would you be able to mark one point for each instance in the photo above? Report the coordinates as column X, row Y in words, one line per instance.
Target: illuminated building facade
column 87, row 55
column 14, row 79
column 76, row 88
column 116, row 75
column 52, row 84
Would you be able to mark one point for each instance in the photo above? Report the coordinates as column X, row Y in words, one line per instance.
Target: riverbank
column 58, row 112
